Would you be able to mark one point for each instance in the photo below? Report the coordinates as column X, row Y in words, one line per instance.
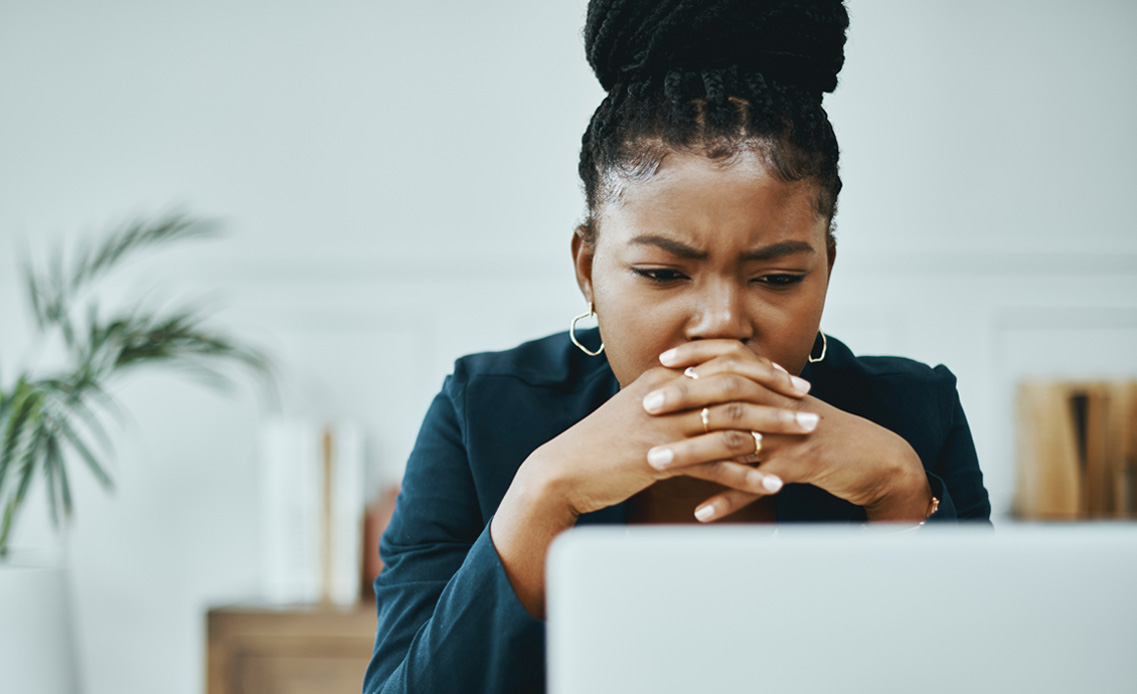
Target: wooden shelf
column 303, row 649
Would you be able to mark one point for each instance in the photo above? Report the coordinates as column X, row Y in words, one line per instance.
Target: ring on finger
column 757, row 443
column 705, row 415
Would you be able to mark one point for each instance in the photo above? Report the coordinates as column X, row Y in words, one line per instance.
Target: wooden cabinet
column 289, row 650
column 1077, row 450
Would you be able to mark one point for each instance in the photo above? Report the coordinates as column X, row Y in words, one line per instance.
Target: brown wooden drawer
column 294, row 650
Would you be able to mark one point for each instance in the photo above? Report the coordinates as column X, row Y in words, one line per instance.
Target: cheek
column 635, row 328
column 633, row 341
column 790, row 342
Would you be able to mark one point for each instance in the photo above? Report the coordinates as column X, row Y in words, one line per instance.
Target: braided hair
column 716, row 77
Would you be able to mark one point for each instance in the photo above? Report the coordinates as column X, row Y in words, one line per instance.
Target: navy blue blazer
column 448, row 616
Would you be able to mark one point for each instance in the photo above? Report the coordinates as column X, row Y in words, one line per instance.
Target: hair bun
column 798, row 43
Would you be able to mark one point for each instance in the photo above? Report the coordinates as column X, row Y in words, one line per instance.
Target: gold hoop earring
column 572, row 333
column 824, row 346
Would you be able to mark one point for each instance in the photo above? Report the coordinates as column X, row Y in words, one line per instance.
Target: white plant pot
column 37, row 641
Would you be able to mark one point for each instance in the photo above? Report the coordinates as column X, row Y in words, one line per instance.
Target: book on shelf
column 312, row 505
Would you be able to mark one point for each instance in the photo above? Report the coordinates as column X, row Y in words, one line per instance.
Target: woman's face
column 703, row 250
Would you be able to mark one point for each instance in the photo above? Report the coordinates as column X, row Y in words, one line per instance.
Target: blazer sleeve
column 448, row 616
column 954, row 474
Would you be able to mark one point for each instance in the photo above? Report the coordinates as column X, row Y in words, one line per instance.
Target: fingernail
column 807, row 420
column 653, row 402
column 772, row 483
column 704, row 513
column 689, row 372
column 800, row 384
column 668, row 357
column 659, row 457
column 779, row 367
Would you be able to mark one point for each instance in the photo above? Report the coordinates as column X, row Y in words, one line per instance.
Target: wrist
column 540, row 495
column 531, row 514
column 908, row 495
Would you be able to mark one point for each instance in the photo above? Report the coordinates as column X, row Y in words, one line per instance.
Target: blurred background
column 397, row 183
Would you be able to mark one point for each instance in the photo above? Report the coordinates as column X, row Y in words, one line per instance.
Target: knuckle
column 654, row 377
column 719, row 470
column 754, row 480
column 773, row 419
column 713, row 472
column 738, row 441
column 726, row 504
column 732, row 386
column 735, row 412
column 732, row 473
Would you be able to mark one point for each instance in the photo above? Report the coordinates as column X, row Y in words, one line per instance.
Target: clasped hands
column 716, row 411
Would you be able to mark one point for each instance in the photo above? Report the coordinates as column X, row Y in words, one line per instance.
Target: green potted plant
column 48, row 420
column 51, row 418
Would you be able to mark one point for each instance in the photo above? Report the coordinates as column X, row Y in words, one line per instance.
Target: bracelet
column 933, row 506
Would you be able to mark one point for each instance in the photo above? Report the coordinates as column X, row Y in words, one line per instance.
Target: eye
column 780, row 280
column 659, row 275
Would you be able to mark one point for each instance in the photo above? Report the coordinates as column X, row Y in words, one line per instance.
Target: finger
column 789, row 466
column 718, row 445
column 722, row 505
column 734, row 355
column 757, row 369
column 699, row 351
column 745, row 416
column 738, row 477
column 693, row 393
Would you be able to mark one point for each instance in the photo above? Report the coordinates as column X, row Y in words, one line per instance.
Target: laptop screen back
column 840, row 609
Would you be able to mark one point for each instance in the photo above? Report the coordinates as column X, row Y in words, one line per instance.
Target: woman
column 708, row 391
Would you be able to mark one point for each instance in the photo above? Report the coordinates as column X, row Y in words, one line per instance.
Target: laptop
column 842, row 609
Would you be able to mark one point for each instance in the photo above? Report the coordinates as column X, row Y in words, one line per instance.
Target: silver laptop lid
column 840, row 609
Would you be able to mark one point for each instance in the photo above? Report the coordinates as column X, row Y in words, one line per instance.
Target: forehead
column 735, row 200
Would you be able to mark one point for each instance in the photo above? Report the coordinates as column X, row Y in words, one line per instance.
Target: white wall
column 399, row 185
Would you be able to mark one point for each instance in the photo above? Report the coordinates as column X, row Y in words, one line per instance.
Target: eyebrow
column 678, row 248
column 671, row 246
column 778, row 250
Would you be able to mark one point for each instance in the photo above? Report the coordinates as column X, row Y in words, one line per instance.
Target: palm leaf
column 132, row 238
column 26, row 474
column 51, row 296
column 6, row 403
column 50, row 466
column 35, row 294
column 64, row 487
column 6, row 525
column 85, row 453
column 74, row 404
column 46, row 420
column 29, row 400
column 141, row 340
column 59, row 309
column 29, row 463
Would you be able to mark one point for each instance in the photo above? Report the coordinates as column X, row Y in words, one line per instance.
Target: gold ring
column 757, row 443
column 704, row 415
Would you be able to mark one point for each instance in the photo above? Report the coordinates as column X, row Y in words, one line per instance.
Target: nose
column 719, row 311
